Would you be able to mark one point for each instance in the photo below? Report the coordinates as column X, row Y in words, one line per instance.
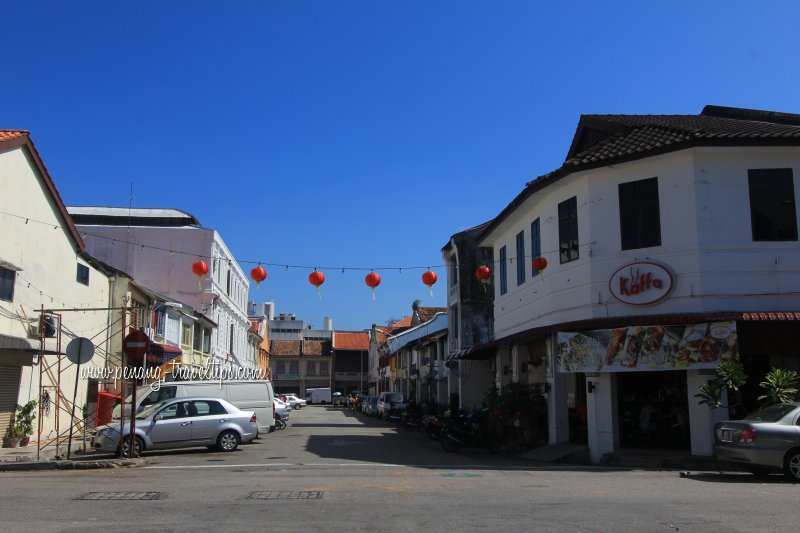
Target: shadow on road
column 744, row 478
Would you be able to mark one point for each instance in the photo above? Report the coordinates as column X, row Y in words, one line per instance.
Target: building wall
column 35, row 238
column 705, row 233
column 171, row 274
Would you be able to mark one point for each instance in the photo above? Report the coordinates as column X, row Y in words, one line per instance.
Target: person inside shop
column 647, row 420
column 678, row 422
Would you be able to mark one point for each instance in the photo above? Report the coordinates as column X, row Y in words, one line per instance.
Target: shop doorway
column 576, row 403
column 653, row 410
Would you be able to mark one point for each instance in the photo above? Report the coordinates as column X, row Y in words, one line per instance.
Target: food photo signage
column 641, row 283
column 643, row 348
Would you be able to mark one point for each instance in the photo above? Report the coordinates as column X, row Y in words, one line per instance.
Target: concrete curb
column 27, row 466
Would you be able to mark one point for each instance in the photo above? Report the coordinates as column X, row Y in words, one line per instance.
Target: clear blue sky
column 360, row 133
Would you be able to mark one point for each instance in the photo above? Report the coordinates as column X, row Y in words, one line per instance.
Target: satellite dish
column 80, row 350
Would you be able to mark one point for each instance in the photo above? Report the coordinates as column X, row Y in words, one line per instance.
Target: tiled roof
column 284, row 348
column 404, row 323
column 316, row 348
column 6, row 135
column 626, row 135
column 350, row 340
column 602, row 140
column 426, row 313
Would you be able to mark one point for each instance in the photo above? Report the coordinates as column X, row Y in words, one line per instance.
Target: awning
column 771, row 315
column 476, row 353
column 162, row 353
column 21, row 344
column 170, row 365
column 166, row 349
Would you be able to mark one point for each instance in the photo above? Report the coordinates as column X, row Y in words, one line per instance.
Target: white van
column 252, row 395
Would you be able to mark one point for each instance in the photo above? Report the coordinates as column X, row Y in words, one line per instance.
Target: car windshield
column 773, row 413
column 394, row 398
column 149, row 410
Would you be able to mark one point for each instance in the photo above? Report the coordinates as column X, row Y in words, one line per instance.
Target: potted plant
column 23, row 421
column 11, row 439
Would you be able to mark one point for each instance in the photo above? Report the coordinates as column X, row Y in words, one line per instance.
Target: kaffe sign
column 643, row 348
column 641, row 283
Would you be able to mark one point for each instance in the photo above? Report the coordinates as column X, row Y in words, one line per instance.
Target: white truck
column 321, row 396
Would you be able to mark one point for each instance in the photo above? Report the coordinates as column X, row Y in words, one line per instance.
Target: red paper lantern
column 258, row 274
column 200, row 269
column 483, row 273
column 372, row 280
column 429, row 278
column 539, row 263
column 317, row 278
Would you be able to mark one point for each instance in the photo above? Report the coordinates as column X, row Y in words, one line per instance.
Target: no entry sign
column 135, row 345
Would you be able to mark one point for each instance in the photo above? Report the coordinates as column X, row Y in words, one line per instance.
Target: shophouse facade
column 350, row 361
column 421, row 352
column 299, row 355
column 51, row 292
column 470, row 316
column 157, row 247
column 669, row 244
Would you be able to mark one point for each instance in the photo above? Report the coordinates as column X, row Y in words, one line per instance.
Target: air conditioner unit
column 48, row 326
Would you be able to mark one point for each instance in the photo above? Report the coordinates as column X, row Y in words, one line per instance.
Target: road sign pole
column 135, row 345
column 132, row 443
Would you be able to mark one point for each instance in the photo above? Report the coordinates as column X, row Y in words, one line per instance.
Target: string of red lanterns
column 373, row 279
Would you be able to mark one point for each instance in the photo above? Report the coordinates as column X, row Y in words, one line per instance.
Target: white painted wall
column 34, row 237
column 705, row 233
column 171, row 274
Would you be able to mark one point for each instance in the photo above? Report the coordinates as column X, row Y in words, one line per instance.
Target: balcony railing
column 455, row 345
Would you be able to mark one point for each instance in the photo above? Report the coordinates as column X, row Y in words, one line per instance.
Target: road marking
column 381, row 465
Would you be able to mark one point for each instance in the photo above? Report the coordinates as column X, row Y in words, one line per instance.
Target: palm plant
column 780, row 386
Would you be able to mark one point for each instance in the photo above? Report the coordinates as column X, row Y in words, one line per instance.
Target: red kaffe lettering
column 638, row 283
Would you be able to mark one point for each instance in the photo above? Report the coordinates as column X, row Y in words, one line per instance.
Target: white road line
column 373, row 465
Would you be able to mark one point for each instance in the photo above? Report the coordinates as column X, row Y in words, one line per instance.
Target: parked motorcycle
column 433, row 426
column 411, row 418
column 470, row 432
column 281, row 421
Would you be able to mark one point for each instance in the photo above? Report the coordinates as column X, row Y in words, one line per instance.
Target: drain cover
column 120, row 496
column 286, row 495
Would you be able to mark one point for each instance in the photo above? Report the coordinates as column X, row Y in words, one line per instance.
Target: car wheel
column 138, row 446
column 228, row 441
column 791, row 465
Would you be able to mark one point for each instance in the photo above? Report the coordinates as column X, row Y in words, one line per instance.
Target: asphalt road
column 334, row 471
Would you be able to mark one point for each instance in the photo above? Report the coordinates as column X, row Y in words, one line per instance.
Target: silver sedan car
column 766, row 440
column 181, row 423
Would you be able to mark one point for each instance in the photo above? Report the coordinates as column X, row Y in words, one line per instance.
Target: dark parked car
column 766, row 440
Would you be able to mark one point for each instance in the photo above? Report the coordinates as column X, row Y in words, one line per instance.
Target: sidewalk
column 637, row 459
column 25, row 458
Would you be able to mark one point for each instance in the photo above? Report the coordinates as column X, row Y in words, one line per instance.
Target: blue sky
column 360, row 134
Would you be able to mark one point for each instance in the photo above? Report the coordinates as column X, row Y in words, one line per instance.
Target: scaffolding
column 52, row 365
